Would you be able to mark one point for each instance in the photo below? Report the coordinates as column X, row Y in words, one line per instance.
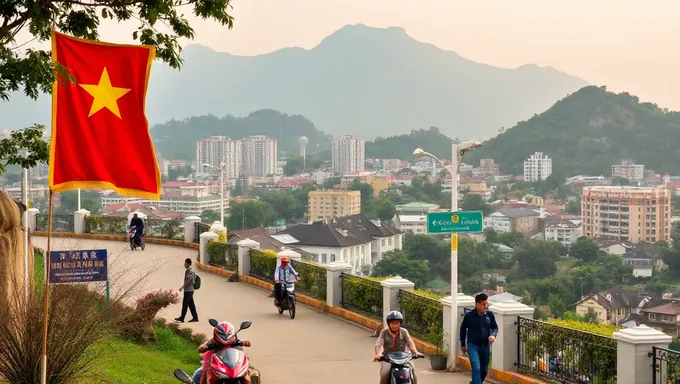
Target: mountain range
column 362, row 80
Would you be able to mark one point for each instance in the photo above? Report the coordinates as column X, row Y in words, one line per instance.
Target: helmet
column 223, row 332
column 285, row 260
column 395, row 315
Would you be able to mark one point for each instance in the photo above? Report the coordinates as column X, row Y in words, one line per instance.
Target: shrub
column 363, row 294
column 262, row 264
column 312, row 279
column 423, row 314
column 218, row 253
column 598, row 329
column 106, row 225
column 140, row 324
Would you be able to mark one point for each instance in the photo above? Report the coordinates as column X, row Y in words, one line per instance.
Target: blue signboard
column 78, row 266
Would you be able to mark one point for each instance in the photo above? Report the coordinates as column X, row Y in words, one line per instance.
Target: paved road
column 313, row 348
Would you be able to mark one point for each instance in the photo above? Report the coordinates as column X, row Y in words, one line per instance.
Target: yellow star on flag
column 105, row 95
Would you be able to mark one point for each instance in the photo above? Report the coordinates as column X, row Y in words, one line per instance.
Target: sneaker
column 179, row 320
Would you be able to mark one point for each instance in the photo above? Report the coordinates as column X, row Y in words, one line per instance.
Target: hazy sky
column 628, row 45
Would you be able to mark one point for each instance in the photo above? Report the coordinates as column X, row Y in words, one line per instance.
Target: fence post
column 290, row 254
column 203, row 250
column 391, row 289
column 190, row 228
column 334, row 272
column 33, row 219
column 464, row 301
column 79, row 220
column 504, row 349
column 633, row 348
column 244, row 247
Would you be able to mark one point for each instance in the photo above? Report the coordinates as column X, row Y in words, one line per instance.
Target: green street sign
column 455, row 222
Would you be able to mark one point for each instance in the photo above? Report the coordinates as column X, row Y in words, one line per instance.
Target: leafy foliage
column 398, row 263
column 584, row 249
column 262, row 264
column 402, row 146
column 594, row 125
column 423, row 315
column 223, row 254
column 32, row 69
column 170, row 138
column 312, row 279
column 363, row 295
column 30, row 139
column 105, row 225
column 250, row 214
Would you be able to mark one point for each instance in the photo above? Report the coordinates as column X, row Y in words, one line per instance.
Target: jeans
column 479, row 361
column 188, row 303
column 196, row 378
column 277, row 292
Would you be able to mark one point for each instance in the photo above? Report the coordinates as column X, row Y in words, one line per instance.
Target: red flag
column 100, row 135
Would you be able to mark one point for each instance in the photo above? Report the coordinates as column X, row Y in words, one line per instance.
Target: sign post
column 69, row 267
column 455, row 222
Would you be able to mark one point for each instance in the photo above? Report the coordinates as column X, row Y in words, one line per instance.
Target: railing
column 60, row 223
column 666, row 366
column 223, row 255
column 312, row 279
column 262, row 265
column 106, row 225
column 423, row 316
column 200, row 228
column 362, row 295
column 564, row 354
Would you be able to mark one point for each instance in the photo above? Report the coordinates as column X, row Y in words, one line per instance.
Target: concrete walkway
column 313, row 348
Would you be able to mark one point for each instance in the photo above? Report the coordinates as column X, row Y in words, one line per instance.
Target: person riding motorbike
column 223, row 335
column 137, row 223
column 282, row 273
column 394, row 338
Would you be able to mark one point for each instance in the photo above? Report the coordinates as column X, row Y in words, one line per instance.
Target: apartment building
column 537, row 167
column 561, row 230
column 627, row 169
column 626, row 213
column 260, row 155
column 348, row 154
column 330, row 204
column 217, row 149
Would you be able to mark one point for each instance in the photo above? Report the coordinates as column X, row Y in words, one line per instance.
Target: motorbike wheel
column 280, row 310
column 132, row 246
column 291, row 308
column 143, row 246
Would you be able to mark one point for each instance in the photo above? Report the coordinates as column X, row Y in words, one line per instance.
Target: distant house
column 353, row 239
column 613, row 306
column 524, row 220
column 266, row 241
column 561, row 230
column 664, row 317
column 505, row 251
column 643, row 257
column 411, row 223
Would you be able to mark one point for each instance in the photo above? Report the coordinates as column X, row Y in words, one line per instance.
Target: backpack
column 197, row 282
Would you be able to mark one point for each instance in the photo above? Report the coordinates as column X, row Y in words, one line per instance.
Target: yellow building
column 378, row 183
column 329, row 204
column 626, row 213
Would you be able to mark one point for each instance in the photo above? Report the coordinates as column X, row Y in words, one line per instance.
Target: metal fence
column 564, row 354
column 164, row 229
column 60, row 223
column 362, row 295
column 262, row 265
column 200, row 228
column 666, row 366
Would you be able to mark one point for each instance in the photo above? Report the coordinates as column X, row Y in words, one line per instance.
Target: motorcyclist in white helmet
column 394, row 338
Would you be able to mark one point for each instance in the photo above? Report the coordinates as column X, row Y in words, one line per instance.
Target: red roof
column 673, row 185
column 121, row 207
column 293, row 182
column 178, row 184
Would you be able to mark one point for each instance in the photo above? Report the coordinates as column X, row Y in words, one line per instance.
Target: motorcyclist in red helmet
column 223, row 335
column 283, row 272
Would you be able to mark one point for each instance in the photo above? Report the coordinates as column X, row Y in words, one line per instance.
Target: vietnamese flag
column 100, row 135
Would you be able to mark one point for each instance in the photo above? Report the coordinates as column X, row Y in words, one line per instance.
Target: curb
column 96, row 236
column 501, row 376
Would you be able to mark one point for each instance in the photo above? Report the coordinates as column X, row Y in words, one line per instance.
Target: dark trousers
column 479, row 362
column 277, row 291
column 188, row 302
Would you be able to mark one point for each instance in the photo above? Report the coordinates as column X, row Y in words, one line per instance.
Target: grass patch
column 125, row 361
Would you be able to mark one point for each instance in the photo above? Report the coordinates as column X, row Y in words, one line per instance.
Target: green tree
column 434, row 251
column 385, row 209
column 584, row 249
column 557, row 305
column 513, row 239
column 620, row 181
column 175, row 173
column 330, row 182
column 90, row 200
column 238, row 188
column 398, row 263
column 472, row 285
column 491, row 236
column 209, row 215
column 284, row 204
column 366, row 195
column 474, row 202
column 250, row 214
column 32, row 69
column 296, row 164
column 537, row 260
column 573, row 207
column 30, row 138
column 11, row 178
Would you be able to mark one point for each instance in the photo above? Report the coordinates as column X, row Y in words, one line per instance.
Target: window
column 323, row 258
column 652, row 316
column 664, row 317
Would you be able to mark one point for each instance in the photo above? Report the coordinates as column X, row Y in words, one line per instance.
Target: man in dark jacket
column 477, row 332
column 138, row 223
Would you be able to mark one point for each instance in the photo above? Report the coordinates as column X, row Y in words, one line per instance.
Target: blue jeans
column 196, row 378
column 479, row 361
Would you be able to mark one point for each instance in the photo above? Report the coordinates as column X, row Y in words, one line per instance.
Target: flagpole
column 46, row 291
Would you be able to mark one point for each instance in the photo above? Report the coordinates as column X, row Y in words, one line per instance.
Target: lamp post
column 221, row 169
column 456, row 151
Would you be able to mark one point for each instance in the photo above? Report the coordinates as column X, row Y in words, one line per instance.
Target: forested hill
column 177, row 139
column 402, row 146
column 587, row 132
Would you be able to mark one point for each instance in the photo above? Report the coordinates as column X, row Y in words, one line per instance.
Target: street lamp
column 457, row 150
column 221, row 170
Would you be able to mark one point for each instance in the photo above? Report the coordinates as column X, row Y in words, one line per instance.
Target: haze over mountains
column 361, row 80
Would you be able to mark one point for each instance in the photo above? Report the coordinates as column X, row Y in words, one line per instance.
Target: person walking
column 477, row 332
column 188, row 288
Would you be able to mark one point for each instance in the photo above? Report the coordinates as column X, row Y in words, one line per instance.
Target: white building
column 348, row 154
column 352, row 239
column 561, row 230
column 260, row 156
column 537, row 167
column 218, row 149
column 498, row 221
column 416, row 224
column 627, row 169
